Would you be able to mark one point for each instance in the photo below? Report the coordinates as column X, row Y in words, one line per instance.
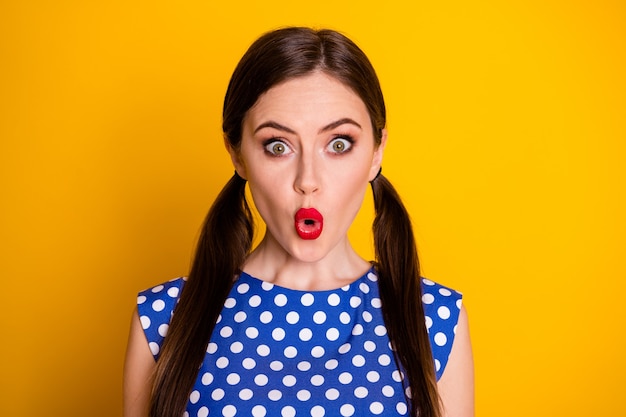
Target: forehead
column 317, row 96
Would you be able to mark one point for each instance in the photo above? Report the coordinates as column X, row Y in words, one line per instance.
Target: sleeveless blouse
column 275, row 351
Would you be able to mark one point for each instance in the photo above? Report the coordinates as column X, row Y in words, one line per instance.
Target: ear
column 235, row 157
column 377, row 159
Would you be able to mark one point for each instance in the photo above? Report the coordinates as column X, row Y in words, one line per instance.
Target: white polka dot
column 203, row 412
column 254, row 301
column 194, row 397
column 304, row 366
column 364, row 287
column 229, row 411
column 207, row 378
column 186, row 414
column 307, row 299
column 332, row 394
column 345, row 348
column 154, row 348
column 263, row 350
column 376, row 408
column 317, row 352
column 319, row 317
column 360, row 392
column 334, row 300
column 290, row 352
column 376, row 303
column 226, row 331
column 317, row 380
column 369, row 346
column 274, row 395
column 429, row 322
column 401, row 408
column 233, row 379
column 380, row 330
column 347, row 410
column 372, row 277
column 289, row 380
column 258, row 411
column 440, row 339
column 428, row 298
column 358, row 361
column 265, row 317
column 163, row 329
column 222, row 362
column 211, row 348
column 437, row 365
column 459, row 303
column 443, row 312
column 248, row 363
column 332, row 334
column 355, row 302
column 454, row 329
column 345, row 378
column 280, row 300
column 278, row 334
column 303, row 395
column 344, row 318
column 158, row 305
column 230, row 303
column 240, row 317
column 396, row 376
column 367, row 316
column 217, row 394
column 267, row 286
column 318, row 411
column 445, row 292
column 357, row 330
column 292, row 317
column 373, row 376
column 331, row 364
column 384, row 360
column 305, row 334
column 288, row 411
column 243, row 288
column 145, row 322
column 158, row 288
column 261, row 380
column 276, row 366
column 388, row 391
column 141, row 299
column 219, row 319
column 252, row 332
column 173, row 292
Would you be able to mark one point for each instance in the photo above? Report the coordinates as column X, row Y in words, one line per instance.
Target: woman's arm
column 138, row 370
column 456, row 385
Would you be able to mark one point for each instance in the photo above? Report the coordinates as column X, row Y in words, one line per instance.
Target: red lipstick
column 309, row 223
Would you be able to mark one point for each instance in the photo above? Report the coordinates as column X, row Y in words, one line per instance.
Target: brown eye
column 277, row 148
column 340, row 145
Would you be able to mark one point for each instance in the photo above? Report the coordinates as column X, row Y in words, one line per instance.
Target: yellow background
column 507, row 141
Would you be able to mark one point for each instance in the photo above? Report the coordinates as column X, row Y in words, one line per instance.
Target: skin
column 307, row 142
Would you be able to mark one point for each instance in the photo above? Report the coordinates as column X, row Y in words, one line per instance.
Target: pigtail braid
column 398, row 269
column 224, row 243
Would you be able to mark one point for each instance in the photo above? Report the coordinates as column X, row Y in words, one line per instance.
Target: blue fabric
column 276, row 351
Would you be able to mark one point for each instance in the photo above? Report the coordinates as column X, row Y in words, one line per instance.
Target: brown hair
column 226, row 236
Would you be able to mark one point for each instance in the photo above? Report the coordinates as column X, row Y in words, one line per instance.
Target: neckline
column 268, row 285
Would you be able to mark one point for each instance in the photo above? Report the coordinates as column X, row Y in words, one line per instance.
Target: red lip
column 309, row 223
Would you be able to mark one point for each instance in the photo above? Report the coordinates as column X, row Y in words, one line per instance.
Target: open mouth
column 309, row 223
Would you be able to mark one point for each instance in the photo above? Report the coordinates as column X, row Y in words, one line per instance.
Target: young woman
column 301, row 325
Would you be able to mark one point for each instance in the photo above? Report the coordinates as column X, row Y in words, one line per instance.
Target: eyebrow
column 330, row 126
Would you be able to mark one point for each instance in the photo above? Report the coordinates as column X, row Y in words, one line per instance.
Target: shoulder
column 155, row 307
column 442, row 307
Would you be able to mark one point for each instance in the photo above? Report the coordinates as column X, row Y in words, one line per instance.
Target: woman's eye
column 277, row 148
column 340, row 145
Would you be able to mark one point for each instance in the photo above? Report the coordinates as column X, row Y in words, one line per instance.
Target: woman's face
column 308, row 153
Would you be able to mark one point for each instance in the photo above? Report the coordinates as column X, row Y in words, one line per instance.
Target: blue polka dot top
column 281, row 352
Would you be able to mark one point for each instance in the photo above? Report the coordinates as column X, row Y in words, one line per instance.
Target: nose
column 307, row 176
